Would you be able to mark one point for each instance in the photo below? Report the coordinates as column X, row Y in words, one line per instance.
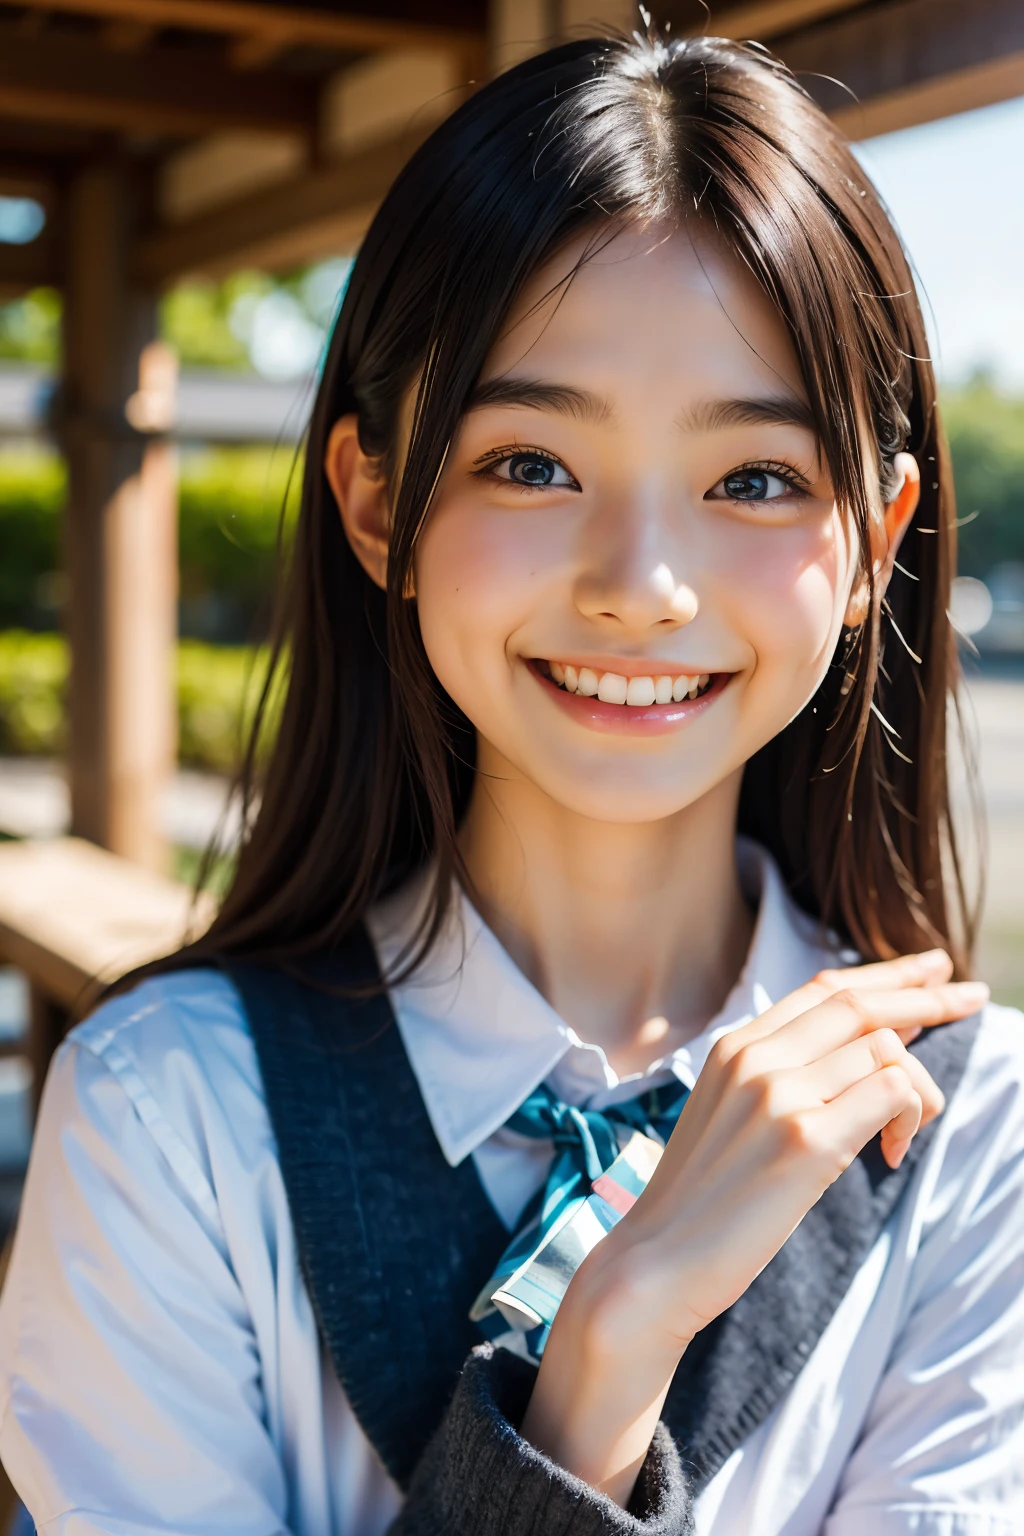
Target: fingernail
column 897, row 1152
column 972, row 993
column 911, row 1034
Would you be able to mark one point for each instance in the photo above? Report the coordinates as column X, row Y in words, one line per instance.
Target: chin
column 625, row 797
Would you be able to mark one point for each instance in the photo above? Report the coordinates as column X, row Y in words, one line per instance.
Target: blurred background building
column 182, row 186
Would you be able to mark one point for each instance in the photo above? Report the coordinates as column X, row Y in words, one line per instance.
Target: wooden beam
column 127, row 36
column 761, row 19
column 899, row 64
column 278, row 226
column 59, row 80
column 292, row 24
column 980, row 86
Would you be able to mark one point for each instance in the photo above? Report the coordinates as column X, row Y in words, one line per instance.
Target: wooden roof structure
column 264, row 132
column 172, row 137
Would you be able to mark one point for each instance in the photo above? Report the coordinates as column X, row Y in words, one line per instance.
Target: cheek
column 478, row 575
column 787, row 595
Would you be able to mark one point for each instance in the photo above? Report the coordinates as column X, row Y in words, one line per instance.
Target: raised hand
column 783, row 1105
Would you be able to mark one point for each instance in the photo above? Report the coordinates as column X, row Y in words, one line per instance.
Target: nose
column 631, row 579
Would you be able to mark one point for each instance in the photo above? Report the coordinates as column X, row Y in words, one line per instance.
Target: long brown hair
column 371, row 766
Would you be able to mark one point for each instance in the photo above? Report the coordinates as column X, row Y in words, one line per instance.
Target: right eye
column 533, row 470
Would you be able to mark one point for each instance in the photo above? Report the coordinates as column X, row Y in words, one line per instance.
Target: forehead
column 667, row 308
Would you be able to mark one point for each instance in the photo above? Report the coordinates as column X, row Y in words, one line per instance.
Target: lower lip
column 631, row 719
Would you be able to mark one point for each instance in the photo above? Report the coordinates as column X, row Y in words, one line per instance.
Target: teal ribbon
column 586, row 1143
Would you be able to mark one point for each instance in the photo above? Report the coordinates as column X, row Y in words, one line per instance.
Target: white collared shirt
column 160, row 1369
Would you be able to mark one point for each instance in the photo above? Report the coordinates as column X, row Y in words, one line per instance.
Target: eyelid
column 497, row 455
column 494, row 456
column 793, row 477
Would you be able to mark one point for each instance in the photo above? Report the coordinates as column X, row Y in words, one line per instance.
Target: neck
column 634, row 933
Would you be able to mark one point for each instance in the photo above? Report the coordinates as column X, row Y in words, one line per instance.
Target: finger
column 826, row 1079
column 882, row 1099
column 850, row 1014
column 902, row 1128
column 930, row 968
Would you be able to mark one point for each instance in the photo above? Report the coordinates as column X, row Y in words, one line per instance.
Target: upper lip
column 624, row 668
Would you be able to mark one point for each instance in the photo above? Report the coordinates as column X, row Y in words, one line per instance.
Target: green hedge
column 230, row 506
column 217, row 688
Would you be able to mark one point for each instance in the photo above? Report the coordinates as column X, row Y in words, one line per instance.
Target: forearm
column 601, row 1385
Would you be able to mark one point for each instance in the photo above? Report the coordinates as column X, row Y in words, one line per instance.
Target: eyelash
column 489, row 462
column 785, row 472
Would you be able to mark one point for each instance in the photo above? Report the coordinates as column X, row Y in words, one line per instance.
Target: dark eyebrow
column 765, row 410
column 542, row 396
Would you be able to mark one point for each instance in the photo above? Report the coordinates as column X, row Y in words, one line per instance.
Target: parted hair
column 371, row 763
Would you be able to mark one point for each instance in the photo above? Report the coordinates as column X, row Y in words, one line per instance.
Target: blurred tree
column 30, row 327
column 986, row 436
column 276, row 325
column 196, row 318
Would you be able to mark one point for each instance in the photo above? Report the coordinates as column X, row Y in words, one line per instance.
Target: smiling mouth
column 636, row 692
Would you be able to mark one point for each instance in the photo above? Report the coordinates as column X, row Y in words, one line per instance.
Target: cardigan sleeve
column 479, row 1477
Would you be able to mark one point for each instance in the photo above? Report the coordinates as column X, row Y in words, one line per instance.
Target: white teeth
column 640, row 691
column 611, row 688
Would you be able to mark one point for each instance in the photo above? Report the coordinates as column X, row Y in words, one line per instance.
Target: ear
column 361, row 492
column 886, row 535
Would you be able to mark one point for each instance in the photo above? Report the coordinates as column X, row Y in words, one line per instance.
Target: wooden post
column 121, row 528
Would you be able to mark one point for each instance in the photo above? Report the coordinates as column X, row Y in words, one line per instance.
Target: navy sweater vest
column 395, row 1244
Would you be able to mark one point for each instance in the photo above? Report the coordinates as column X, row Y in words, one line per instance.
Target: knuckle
column 823, row 985
column 799, row 1135
column 741, row 1066
column 895, row 1081
column 886, row 1047
column 722, row 1054
column 854, row 1004
column 767, row 1097
column 806, row 1139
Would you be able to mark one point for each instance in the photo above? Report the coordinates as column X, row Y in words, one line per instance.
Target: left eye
column 752, row 485
column 533, row 469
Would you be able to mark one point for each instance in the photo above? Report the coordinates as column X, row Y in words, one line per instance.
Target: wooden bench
column 73, row 918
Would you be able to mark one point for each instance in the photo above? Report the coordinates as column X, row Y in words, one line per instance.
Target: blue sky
column 956, row 191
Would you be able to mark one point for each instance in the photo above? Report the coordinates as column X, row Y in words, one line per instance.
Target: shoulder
column 192, row 1016
column 174, row 1054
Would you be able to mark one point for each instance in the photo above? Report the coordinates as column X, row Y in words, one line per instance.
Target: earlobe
column 361, row 492
column 886, row 535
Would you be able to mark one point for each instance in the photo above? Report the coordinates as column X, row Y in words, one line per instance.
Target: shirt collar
column 480, row 1037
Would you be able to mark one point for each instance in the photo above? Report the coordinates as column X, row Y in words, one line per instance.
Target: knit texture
column 479, row 1477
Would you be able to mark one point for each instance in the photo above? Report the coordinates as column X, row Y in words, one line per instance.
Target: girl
column 627, row 528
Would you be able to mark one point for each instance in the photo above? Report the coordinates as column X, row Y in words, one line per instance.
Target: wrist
column 604, row 1376
column 622, row 1310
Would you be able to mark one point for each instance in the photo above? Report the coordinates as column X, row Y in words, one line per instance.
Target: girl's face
column 634, row 509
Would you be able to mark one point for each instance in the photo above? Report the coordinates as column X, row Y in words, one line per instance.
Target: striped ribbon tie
column 602, row 1161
